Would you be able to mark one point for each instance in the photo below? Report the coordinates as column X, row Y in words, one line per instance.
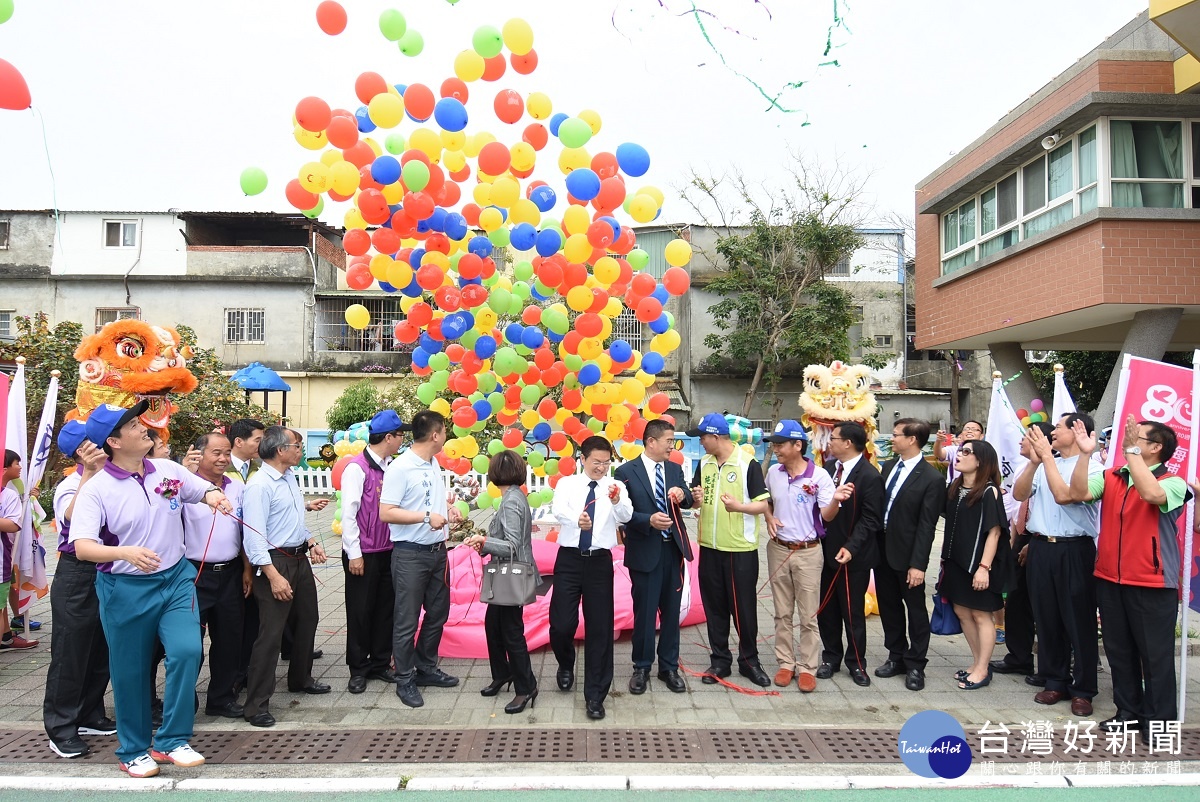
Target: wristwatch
column 1133, row 450
column 427, row 523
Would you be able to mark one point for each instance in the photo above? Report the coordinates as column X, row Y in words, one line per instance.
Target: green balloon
column 555, row 321
column 392, row 24
column 253, row 180
column 315, row 211
column 496, row 400
column 595, row 425
column 440, row 379
column 426, row 393
column 395, row 144
column 499, row 237
column 469, row 339
column 523, row 271
column 638, row 259
column 439, row 362
column 551, row 466
column 499, row 300
column 480, row 463
column 460, row 431
column 487, row 384
column 487, row 41
column 411, row 43
column 530, row 395
column 573, row 362
column 6, row 11
column 484, row 501
column 516, row 304
column 494, row 447
column 536, row 460
column 574, row 132
column 521, row 290
column 415, row 174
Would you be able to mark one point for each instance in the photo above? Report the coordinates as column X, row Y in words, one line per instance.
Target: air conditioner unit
column 1037, row 357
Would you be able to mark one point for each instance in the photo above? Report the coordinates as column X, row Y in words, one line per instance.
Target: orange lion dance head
column 131, row 360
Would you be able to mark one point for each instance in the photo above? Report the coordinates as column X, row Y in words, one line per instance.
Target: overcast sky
column 150, row 104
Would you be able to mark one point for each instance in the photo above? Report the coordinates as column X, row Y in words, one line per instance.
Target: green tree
column 357, row 403
column 45, row 349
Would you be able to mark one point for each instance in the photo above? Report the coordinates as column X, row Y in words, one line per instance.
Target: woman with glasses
column 976, row 532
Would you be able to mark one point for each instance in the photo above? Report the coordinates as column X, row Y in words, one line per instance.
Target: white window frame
column 243, row 333
column 883, row 340
column 122, row 222
column 6, row 228
column 7, row 329
column 1185, row 159
column 122, row 313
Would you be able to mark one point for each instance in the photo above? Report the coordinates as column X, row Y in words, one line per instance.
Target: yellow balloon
column 454, row 160
column 646, row 379
column 576, row 221
column 539, row 106
column 614, row 431
column 343, row 178
column 493, row 491
column 505, row 191
column 393, row 193
column 331, row 157
column 452, row 447
column 336, row 528
column 614, row 306
column 518, row 36
column 606, row 270
column 441, row 406
column 357, row 316
column 309, row 139
column 561, row 415
column 633, row 391
column 490, row 218
column 426, row 141
column 437, row 259
column 579, row 298
column 530, row 418
column 407, row 303
column 666, row 342
column 482, row 193
column 524, row 211
column 353, row 218
column 470, row 446
column 637, row 363
column 468, row 66
column 523, row 156
column 642, row 208
column 453, row 140
column 606, row 327
column 476, row 143
column 566, row 450
column 314, row 176
column 590, row 347
column 400, row 274
column 578, row 249
column 504, row 283
column 485, row 319
column 380, row 264
column 573, row 159
column 592, row 118
column 341, row 448
column 386, row 110
column 630, row 451
column 678, row 253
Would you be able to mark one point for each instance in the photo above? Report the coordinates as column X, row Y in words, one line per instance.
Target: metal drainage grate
column 760, row 746
column 856, row 746
column 296, row 747
column 220, row 746
column 429, row 746
column 527, row 746
column 645, row 746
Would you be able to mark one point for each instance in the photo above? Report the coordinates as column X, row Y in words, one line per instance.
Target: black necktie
column 589, row 506
column 899, row 469
column 837, row 479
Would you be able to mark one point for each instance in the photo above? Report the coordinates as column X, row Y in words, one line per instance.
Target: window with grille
column 120, row 233
column 883, row 341
column 245, row 325
column 6, row 323
column 334, row 334
column 4, row 226
column 109, row 314
column 842, row 268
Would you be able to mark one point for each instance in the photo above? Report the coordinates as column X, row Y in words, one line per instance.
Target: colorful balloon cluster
column 1035, row 414
column 527, row 340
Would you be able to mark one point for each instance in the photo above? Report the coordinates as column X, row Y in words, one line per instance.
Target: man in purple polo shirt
column 129, row 519
column 801, row 502
column 367, row 555
column 78, row 674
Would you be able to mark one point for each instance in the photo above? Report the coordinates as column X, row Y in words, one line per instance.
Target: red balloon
column 550, row 273
column 356, row 242
column 359, row 277
column 471, row 212
column 589, row 324
column 643, row 284
column 474, row 295
column 342, row 132
column 448, row 194
column 419, row 102
column 360, row 155
column 611, row 195
column 509, row 106
column 524, row 64
column 648, row 310
column 512, row 437
column 313, row 114
column 373, row 207
column 300, row 197
column 420, row 313
column 14, row 92
column 600, row 234
column 493, row 68
column 604, row 165
column 385, row 240
column 455, row 88
column 430, row 277
column 419, row 205
column 658, row 403
column 574, row 276
column 676, row 280
column 413, row 153
column 405, row 332
column 624, row 242
column 448, row 299
column 494, row 158
column 368, row 85
column 331, row 17
column 537, row 135
column 339, row 468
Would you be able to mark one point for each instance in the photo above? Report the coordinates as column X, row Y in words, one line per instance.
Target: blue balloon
column 437, row 220
column 633, row 159
column 541, row 432
column 450, row 114
column 652, row 363
column 467, row 318
column 481, row 246
column 660, row 294
column 620, row 351
column 365, row 125
column 661, row 325
column 544, row 198
column 455, row 226
column 548, row 242
column 413, row 290
column 554, row 338
column 385, row 169
column 485, row 347
column 400, row 88
column 583, row 183
column 383, row 285
column 420, row 357
column 414, row 258
column 429, row 345
column 523, row 236
column 616, row 226
column 482, row 409
column 513, row 332
column 532, row 337
column 453, row 326
column 537, row 296
column 589, row 374
column 557, row 120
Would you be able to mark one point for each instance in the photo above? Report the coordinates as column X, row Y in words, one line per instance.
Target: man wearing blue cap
column 78, row 674
column 801, row 503
column 728, row 486
column 367, row 555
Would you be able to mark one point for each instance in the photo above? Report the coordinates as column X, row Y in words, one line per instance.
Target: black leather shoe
column 860, row 677
column 494, row 687
column 517, row 705
column 915, row 680
column 382, row 674
column 409, row 694
column 357, row 684
column 1036, row 680
column 756, row 675
column 637, row 683
column 262, row 720
column 673, row 681
column 565, row 678
column 825, row 671
column 436, row 678
column 314, row 687
column 1005, row 667
column 318, row 654
column 889, row 669
column 713, row 674
column 231, row 710
column 595, row 710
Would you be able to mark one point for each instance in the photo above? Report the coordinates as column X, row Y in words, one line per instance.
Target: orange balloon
column 676, row 280
column 300, row 197
column 536, row 135
column 493, row 68
column 368, row 85
column 509, row 106
column 331, row 18
column 313, row 114
column 342, row 132
column 419, row 102
column 494, row 158
column 524, row 64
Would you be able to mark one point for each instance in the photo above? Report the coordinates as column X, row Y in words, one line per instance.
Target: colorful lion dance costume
column 833, row 395
column 128, row 361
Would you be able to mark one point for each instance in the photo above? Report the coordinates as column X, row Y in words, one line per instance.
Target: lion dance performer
column 834, row 395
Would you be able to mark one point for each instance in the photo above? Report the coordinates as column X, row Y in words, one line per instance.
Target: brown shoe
column 1081, row 707
column 1049, row 697
column 783, row 677
column 807, row 683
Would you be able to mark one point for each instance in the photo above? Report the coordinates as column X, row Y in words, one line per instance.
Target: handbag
column 943, row 621
column 508, row 583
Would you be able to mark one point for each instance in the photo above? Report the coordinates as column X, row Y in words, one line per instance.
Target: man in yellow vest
column 728, row 487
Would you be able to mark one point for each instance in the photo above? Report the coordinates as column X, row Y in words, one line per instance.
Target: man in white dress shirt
column 588, row 506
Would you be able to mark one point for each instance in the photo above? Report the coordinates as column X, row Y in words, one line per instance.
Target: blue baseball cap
column 712, row 423
column 786, row 431
column 107, row 418
column 387, row 421
column 71, row 437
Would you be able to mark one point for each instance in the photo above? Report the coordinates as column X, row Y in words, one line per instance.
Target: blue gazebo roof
column 257, row 376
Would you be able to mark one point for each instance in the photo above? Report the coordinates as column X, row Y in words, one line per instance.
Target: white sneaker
column 141, row 766
column 184, row 756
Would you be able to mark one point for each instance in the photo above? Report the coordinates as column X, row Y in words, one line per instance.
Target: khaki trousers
column 796, row 588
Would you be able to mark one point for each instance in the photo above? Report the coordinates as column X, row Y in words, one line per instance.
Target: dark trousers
column 1018, row 616
column 421, row 580
column 589, row 579
column 657, row 594
column 1062, row 589
column 219, row 597
column 78, row 675
column 273, row 616
column 729, row 588
column 845, row 608
column 1139, row 641
column 370, row 609
column 508, row 652
column 896, row 598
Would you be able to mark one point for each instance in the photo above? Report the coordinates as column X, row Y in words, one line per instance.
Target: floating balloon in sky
column 14, row 92
column 331, row 17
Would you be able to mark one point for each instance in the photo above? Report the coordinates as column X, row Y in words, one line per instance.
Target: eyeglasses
column 292, row 445
column 845, row 439
column 1148, row 440
column 965, row 452
column 595, row 464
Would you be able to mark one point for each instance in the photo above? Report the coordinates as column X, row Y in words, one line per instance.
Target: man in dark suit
column 655, row 549
column 914, row 495
column 851, row 550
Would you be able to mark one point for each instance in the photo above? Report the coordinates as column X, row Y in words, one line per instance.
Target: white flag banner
column 1063, row 403
column 15, row 436
column 1004, row 433
column 30, row 553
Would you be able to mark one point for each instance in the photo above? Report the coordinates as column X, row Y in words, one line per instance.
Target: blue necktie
column 589, row 506
column 660, row 495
